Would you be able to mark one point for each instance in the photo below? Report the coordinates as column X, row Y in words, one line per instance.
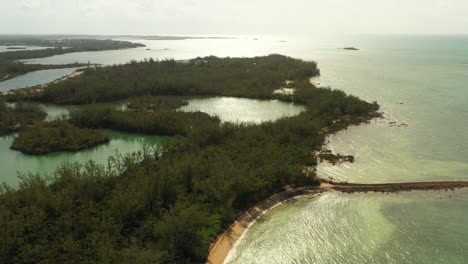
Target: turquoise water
column 417, row 227
column 428, row 76
column 228, row 109
column 13, row 162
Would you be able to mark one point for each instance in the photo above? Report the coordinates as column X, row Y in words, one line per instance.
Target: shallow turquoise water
column 13, row 162
column 417, row 227
column 420, row 82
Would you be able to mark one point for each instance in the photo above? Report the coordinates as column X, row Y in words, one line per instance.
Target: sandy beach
column 225, row 242
column 73, row 75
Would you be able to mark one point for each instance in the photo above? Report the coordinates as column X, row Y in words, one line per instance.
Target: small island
column 152, row 122
column 155, row 103
column 350, row 48
column 47, row 137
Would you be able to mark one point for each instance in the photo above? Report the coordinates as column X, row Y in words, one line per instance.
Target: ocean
column 421, row 83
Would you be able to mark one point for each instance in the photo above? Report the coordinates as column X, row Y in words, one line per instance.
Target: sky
column 248, row 17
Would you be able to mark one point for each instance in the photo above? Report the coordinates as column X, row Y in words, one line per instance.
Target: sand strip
column 221, row 247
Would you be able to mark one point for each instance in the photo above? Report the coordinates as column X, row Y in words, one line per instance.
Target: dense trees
column 167, row 204
column 13, row 118
column 47, row 137
column 240, row 77
column 155, row 103
column 163, row 122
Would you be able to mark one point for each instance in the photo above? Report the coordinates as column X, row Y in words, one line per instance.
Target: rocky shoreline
column 398, row 187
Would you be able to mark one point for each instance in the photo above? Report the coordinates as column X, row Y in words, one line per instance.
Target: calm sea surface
column 422, row 85
column 35, row 78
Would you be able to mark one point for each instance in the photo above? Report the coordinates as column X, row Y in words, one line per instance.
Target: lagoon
column 13, row 162
column 242, row 110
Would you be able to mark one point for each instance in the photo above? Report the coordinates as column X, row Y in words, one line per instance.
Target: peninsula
column 169, row 204
column 11, row 64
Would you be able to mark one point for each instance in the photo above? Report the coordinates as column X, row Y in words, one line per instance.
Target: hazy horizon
column 242, row 17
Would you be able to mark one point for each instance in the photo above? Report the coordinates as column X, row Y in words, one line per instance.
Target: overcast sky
column 278, row 17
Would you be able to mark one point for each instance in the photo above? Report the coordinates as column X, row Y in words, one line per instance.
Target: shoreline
column 226, row 241
column 38, row 88
column 74, row 74
column 220, row 249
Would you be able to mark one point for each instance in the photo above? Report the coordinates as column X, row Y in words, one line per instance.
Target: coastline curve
column 225, row 242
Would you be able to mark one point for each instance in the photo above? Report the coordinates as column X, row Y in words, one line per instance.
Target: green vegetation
column 10, row 66
column 48, row 137
column 154, row 103
column 74, row 44
column 327, row 155
column 167, row 205
column 239, row 77
column 12, row 119
column 163, row 122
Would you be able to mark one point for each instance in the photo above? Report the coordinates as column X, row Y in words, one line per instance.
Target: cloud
column 33, row 4
column 234, row 17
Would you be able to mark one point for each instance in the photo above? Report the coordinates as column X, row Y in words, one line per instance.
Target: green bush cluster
column 13, row 118
column 155, row 103
column 162, row 122
column 47, row 137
